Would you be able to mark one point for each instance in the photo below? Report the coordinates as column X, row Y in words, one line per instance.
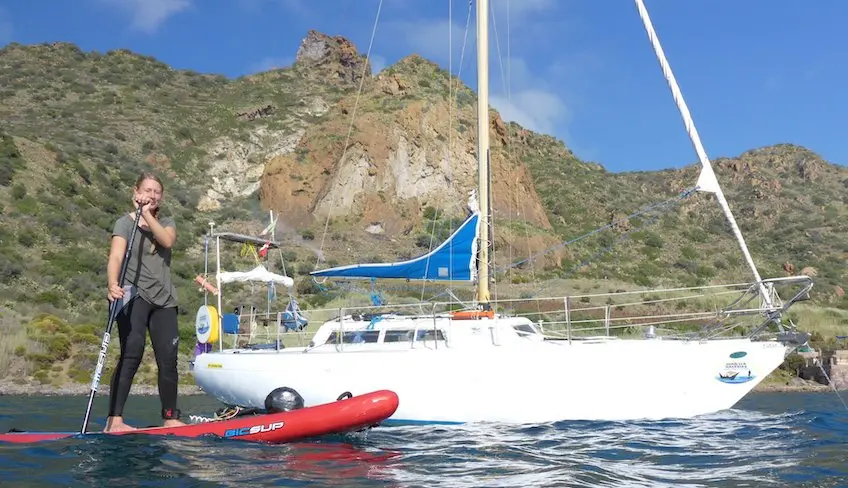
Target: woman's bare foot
column 116, row 424
column 172, row 423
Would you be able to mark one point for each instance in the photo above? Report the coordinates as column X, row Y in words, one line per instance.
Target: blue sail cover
column 453, row 260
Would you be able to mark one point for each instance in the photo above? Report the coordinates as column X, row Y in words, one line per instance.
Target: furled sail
column 258, row 274
column 454, row 259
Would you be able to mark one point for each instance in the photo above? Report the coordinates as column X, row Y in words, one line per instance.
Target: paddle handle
column 114, row 307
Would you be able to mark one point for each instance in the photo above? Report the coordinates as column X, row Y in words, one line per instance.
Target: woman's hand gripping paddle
column 114, row 308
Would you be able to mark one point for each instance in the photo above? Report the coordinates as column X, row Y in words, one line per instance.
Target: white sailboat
column 484, row 365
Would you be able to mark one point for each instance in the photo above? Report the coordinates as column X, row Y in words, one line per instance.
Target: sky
column 753, row 73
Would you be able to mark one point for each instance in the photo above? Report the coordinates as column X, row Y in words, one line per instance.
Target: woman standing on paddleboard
column 149, row 302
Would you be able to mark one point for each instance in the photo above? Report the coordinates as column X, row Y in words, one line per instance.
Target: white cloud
column 6, row 28
column 251, row 5
column 148, row 15
column 773, row 83
column 812, row 73
column 531, row 101
column 437, row 38
column 377, row 63
column 524, row 97
column 430, row 38
column 271, row 62
column 508, row 73
column 540, row 93
column 299, row 7
column 518, row 8
column 533, row 108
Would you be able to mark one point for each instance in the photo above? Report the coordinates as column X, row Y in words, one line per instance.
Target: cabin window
column 406, row 335
column 430, row 335
column 354, row 337
column 524, row 329
column 398, row 336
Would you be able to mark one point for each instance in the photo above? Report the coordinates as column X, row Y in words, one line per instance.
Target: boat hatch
column 525, row 329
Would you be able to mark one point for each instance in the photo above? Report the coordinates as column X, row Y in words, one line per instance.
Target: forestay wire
column 452, row 99
column 665, row 206
column 353, row 117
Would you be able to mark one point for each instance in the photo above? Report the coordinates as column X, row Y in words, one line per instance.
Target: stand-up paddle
column 114, row 308
column 346, row 414
column 279, row 423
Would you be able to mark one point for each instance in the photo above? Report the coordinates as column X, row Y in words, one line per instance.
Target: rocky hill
column 355, row 176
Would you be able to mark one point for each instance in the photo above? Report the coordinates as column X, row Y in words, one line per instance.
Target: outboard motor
column 283, row 399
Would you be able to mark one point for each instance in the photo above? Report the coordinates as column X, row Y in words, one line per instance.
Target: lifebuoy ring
column 206, row 324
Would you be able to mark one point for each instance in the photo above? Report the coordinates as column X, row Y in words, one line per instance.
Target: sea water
column 768, row 439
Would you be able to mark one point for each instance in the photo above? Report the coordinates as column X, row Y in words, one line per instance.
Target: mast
column 707, row 180
column 483, row 147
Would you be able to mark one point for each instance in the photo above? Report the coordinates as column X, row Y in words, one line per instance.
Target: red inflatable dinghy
column 347, row 415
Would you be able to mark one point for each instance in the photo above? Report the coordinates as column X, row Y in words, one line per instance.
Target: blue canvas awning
column 453, row 260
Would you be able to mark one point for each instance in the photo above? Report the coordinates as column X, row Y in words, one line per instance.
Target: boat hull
column 540, row 381
column 334, row 417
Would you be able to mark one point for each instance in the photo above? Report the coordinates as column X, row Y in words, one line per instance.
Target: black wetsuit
column 134, row 321
column 150, row 304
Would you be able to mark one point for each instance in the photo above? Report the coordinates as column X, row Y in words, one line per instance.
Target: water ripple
column 766, row 441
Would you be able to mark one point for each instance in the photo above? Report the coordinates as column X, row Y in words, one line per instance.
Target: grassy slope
column 77, row 128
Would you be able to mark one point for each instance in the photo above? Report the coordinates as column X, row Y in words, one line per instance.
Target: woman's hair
column 148, row 176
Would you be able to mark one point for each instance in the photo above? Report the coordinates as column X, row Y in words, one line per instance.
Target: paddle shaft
column 114, row 307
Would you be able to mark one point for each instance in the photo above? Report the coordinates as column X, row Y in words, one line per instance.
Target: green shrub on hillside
column 10, row 160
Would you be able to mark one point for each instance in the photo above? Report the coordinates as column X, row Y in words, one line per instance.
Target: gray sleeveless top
column 149, row 267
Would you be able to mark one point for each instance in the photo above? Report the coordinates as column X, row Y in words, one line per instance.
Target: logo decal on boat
column 256, row 429
column 214, row 366
column 738, row 354
column 735, row 372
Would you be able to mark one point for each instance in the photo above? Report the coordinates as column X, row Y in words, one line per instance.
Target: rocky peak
column 415, row 63
column 334, row 59
column 784, row 161
column 403, row 157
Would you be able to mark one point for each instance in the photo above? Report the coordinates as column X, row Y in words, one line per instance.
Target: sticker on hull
column 735, row 372
column 734, row 377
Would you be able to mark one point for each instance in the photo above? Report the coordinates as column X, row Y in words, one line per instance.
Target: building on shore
column 825, row 367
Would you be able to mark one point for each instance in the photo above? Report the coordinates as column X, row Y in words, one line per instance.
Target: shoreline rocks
column 794, row 385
